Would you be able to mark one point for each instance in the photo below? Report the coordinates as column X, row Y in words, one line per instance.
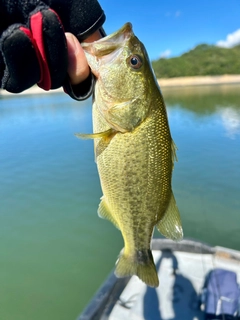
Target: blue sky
column 171, row 27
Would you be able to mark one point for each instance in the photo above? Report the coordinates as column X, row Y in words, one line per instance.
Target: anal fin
column 170, row 225
column 105, row 213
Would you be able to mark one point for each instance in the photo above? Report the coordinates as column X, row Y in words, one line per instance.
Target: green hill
column 202, row 60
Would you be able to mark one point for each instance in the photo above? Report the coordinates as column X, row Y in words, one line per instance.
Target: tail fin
column 141, row 264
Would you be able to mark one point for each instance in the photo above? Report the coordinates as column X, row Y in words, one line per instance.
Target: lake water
column 54, row 250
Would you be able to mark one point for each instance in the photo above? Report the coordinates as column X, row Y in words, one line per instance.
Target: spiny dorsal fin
column 105, row 213
column 170, row 226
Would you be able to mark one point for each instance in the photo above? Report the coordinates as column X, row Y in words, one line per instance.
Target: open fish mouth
column 109, row 43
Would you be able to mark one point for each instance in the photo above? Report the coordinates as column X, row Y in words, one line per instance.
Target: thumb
column 78, row 69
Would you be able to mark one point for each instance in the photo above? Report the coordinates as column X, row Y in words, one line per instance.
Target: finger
column 21, row 68
column 48, row 34
column 78, row 68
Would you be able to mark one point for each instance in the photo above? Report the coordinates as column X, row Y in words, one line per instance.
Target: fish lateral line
column 97, row 135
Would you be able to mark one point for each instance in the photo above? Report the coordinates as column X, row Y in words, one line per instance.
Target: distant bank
column 199, row 81
column 169, row 82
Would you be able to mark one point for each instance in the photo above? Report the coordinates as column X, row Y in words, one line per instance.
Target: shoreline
column 163, row 82
column 199, row 81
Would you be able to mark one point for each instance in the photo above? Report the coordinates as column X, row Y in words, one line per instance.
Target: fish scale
column 134, row 150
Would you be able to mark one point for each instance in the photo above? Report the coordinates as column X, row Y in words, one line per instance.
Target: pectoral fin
column 97, row 135
column 104, row 212
column 170, row 226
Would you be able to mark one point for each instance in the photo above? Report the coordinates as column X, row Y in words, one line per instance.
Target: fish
column 134, row 150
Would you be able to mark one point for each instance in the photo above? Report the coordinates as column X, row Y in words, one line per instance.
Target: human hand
column 33, row 46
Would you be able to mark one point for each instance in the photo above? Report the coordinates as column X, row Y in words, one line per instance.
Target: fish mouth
column 110, row 43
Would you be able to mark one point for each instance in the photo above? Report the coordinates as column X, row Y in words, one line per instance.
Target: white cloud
column 231, row 121
column 232, row 40
column 165, row 54
column 175, row 14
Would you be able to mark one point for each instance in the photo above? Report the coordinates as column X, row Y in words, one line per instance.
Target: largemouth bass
column 134, row 150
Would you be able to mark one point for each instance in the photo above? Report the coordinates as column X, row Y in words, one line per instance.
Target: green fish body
column 134, row 150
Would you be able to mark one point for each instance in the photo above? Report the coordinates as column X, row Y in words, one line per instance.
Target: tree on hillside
column 202, row 60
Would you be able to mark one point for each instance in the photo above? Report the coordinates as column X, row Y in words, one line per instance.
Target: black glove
column 33, row 46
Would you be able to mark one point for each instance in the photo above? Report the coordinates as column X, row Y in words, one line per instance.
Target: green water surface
column 54, row 250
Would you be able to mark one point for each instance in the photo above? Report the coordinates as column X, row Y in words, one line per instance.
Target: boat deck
column 181, row 275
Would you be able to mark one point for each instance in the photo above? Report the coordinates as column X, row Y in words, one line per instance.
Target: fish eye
column 135, row 61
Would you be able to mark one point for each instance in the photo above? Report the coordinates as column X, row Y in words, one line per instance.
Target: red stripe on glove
column 36, row 25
